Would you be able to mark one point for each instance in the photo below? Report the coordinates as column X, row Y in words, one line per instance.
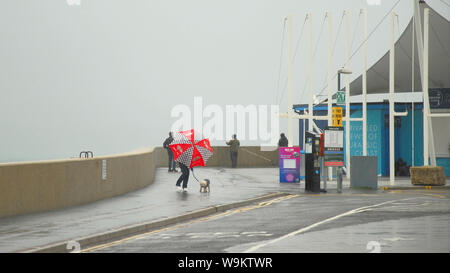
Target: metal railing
column 87, row 154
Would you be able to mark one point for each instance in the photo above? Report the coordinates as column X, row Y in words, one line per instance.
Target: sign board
column 439, row 98
column 337, row 114
column 289, row 164
column 333, row 148
column 340, row 98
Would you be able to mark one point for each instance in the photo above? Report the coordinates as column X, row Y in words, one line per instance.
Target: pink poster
column 289, row 165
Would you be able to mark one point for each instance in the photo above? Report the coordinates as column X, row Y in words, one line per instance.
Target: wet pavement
column 388, row 222
column 157, row 201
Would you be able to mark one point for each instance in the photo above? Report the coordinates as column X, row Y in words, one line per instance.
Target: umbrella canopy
column 191, row 149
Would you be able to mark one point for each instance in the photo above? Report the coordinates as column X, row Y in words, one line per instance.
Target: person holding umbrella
column 184, row 177
column 190, row 150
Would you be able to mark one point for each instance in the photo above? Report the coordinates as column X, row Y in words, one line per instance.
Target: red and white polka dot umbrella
column 191, row 149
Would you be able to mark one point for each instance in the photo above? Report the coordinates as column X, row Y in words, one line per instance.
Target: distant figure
column 172, row 163
column 234, row 148
column 184, row 177
column 401, row 169
column 283, row 142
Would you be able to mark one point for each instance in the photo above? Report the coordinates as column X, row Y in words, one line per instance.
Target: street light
column 344, row 71
column 347, row 115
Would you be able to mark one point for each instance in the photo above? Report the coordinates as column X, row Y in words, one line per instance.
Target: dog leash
column 192, row 170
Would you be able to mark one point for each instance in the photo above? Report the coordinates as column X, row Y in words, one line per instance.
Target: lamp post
column 340, row 94
column 346, row 101
column 344, row 71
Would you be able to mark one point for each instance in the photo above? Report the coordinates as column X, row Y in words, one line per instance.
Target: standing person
column 172, row 164
column 184, row 177
column 234, row 148
column 283, row 142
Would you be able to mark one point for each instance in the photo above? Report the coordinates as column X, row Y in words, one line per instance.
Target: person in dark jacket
column 283, row 142
column 234, row 148
column 172, row 163
column 401, row 168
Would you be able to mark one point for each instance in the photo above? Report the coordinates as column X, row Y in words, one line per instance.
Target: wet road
column 361, row 222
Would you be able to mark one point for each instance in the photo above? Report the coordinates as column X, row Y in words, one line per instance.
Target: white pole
column 422, row 53
column 426, row 152
column 426, row 42
column 428, row 129
column 330, row 79
column 304, row 134
column 364, row 78
column 347, row 93
column 310, row 93
column 290, row 88
column 419, row 37
column 413, row 84
column 330, row 67
column 391, row 103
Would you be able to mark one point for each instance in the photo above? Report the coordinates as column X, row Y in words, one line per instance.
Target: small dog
column 204, row 185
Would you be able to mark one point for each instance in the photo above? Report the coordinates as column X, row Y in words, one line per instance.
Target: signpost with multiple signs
column 333, row 148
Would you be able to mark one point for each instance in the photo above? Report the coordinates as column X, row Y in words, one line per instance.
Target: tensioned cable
column 354, row 32
column 293, row 58
column 315, row 51
column 299, row 39
column 376, row 27
column 334, row 45
column 281, row 58
column 367, row 38
column 445, row 3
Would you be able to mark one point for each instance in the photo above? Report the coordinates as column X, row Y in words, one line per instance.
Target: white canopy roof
column 439, row 61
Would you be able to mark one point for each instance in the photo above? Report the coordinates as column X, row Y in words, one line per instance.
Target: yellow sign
column 337, row 114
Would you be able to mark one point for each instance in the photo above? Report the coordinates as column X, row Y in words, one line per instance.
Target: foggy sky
column 104, row 75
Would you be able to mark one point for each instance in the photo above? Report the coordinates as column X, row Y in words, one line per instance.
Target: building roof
column 439, row 61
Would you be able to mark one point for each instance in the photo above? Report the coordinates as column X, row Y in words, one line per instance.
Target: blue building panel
column 444, row 162
column 378, row 134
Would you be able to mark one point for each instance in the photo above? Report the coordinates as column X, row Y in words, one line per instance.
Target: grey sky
column 105, row 75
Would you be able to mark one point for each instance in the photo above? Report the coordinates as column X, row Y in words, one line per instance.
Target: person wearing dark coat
column 283, row 142
column 234, row 148
column 172, row 163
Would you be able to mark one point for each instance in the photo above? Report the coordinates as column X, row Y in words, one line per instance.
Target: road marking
column 103, row 246
column 223, row 214
column 395, row 239
column 431, row 193
column 302, row 230
column 436, row 195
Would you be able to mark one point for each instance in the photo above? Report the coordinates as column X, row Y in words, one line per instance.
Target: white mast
column 290, row 85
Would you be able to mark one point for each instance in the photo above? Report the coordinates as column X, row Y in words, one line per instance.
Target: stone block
column 427, row 176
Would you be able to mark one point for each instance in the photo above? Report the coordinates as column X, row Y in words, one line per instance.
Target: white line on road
column 354, row 211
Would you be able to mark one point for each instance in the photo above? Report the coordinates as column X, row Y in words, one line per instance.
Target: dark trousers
column 172, row 163
column 184, row 177
column 234, row 157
